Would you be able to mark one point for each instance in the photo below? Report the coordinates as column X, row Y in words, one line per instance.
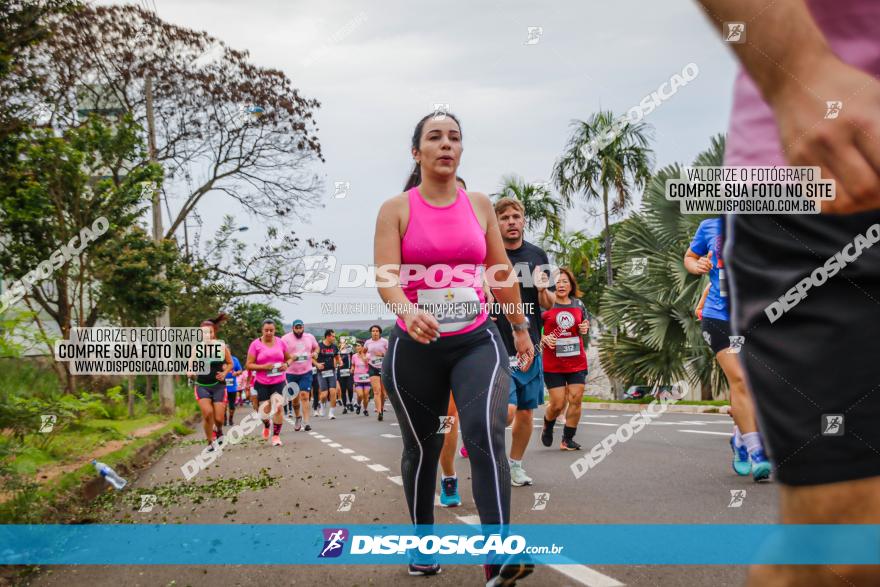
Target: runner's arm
column 420, row 325
column 702, row 302
column 227, row 364
column 697, row 265
column 546, row 298
column 789, row 59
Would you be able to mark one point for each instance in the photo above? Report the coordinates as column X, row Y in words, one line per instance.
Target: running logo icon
column 346, row 500
column 736, row 32
column 316, row 273
column 535, row 33
column 638, row 266
column 334, row 541
column 148, row 501
column 440, row 111
column 446, row 423
column 832, row 424
column 341, row 189
column 736, row 343
column 541, row 500
column 47, row 423
column 833, row 108
column 737, row 496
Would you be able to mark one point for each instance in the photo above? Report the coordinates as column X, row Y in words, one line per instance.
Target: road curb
column 721, row 410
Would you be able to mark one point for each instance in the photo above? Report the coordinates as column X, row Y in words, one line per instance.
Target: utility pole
column 166, row 382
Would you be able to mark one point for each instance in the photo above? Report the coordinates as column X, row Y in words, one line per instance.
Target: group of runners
column 489, row 371
column 477, row 370
column 292, row 376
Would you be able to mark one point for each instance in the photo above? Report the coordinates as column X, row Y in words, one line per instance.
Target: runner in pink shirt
column 361, row 365
column 302, row 346
column 376, row 348
column 269, row 357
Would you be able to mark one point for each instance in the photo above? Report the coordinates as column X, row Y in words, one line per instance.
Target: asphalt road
column 676, row 470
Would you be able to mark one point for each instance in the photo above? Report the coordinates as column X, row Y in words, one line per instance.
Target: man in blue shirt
column 705, row 255
column 232, row 389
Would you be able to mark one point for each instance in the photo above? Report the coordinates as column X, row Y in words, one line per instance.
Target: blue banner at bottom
column 607, row 544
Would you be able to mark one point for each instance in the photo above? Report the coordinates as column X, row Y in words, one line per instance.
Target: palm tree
column 604, row 158
column 658, row 338
column 574, row 250
column 542, row 210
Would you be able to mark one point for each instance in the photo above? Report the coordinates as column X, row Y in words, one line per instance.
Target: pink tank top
column 450, row 244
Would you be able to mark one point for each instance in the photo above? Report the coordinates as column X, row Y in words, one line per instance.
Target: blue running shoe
column 449, row 497
column 760, row 466
column 741, row 464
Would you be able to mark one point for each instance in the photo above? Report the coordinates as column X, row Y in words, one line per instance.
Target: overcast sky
column 377, row 67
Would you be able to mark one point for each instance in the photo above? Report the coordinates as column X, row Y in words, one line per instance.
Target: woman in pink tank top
column 432, row 243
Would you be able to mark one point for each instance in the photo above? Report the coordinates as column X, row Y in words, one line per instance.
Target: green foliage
column 658, row 338
column 543, row 212
column 133, row 290
column 245, row 323
column 606, row 173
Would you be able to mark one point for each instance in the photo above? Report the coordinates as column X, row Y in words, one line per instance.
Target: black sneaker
column 366, row 412
column 308, row 427
column 424, row 570
column 568, row 444
column 358, row 409
column 344, row 410
column 547, row 432
column 380, row 416
column 506, row 575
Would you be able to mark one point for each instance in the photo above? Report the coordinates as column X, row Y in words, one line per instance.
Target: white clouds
column 516, row 101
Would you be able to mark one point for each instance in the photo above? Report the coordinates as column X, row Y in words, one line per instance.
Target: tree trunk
column 148, row 389
column 130, row 379
column 608, row 269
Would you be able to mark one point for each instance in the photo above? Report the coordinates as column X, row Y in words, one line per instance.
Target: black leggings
column 418, row 379
column 346, row 386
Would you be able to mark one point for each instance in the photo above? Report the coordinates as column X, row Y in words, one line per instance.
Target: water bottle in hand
column 109, row 474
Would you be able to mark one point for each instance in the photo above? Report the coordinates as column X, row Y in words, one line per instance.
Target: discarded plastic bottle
column 110, row 475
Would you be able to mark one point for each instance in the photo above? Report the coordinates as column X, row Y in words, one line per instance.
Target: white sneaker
column 518, row 476
column 332, row 416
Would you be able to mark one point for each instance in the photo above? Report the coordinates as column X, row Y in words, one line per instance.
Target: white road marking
column 398, row 479
column 346, row 451
column 378, row 468
column 705, row 432
column 580, row 573
column 586, row 576
column 326, row 440
column 395, row 424
column 360, row 458
column 390, row 436
column 317, row 435
column 582, row 422
column 334, row 445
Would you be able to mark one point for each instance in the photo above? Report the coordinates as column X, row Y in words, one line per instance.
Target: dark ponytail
column 217, row 321
column 415, row 177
